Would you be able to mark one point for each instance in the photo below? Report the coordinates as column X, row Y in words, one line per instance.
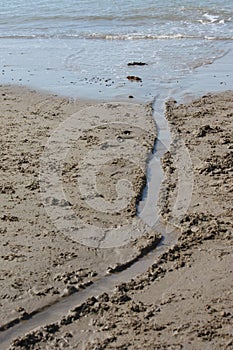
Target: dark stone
column 137, row 64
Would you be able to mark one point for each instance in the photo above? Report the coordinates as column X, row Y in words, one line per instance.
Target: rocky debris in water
column 137, row 64
column 108, row 82
column 134, row 78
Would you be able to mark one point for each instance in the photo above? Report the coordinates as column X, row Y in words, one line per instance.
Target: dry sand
column 184, row 301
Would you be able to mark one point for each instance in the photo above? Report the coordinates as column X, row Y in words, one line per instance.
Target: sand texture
column 41, row 261
column 184, row 300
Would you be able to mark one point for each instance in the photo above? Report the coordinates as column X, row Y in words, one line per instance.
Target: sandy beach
column 184, row 300
column 39, row 262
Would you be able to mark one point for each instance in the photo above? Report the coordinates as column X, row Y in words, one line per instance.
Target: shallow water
column 82, row 48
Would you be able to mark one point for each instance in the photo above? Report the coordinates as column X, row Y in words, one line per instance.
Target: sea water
column 82, row 48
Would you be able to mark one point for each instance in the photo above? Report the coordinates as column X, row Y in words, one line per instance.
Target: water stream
column 207, row 79
column 107, row 283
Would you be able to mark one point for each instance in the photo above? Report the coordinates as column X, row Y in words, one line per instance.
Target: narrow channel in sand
column 146, row 211
column 106, row 284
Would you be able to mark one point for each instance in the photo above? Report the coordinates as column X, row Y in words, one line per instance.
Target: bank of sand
column 184, row 301
column 41, row 261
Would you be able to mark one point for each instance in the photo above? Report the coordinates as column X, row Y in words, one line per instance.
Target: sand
column 41, row 260
column 184, row 300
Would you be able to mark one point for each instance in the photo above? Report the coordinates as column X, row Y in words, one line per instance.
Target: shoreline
column 157, row 295
column 213, row 75
column 112, row 84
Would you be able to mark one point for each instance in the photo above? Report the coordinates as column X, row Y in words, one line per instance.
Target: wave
column 170, row 17
column 153, row 36
column 101, row 36
column 164, row 16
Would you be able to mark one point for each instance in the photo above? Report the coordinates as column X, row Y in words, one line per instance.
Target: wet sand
column 40, row 261
column 184, row 300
